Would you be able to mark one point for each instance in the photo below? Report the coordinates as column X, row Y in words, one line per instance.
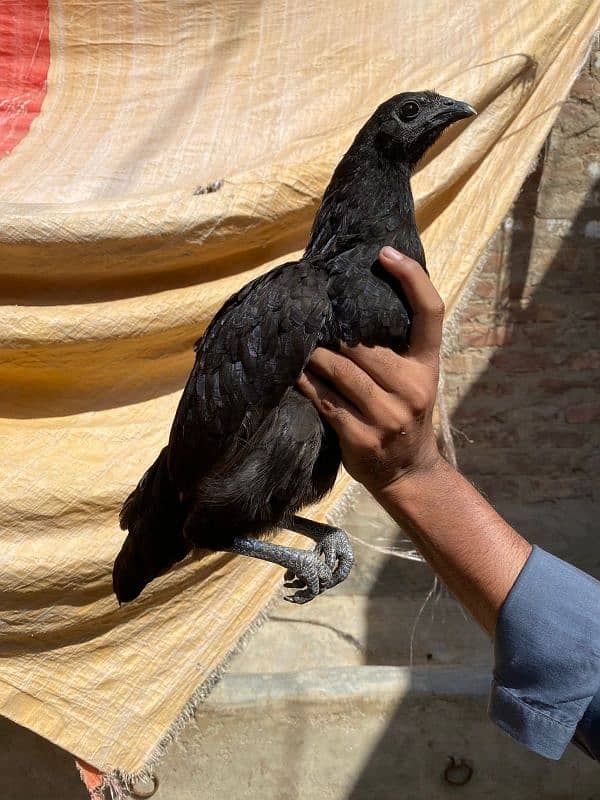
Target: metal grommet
column 142, row 793
column 458, row 773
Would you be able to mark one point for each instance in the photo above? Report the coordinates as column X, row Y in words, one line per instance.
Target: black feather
column 246, row 449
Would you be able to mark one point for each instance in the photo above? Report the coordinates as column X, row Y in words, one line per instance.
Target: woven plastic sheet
column 112, row 114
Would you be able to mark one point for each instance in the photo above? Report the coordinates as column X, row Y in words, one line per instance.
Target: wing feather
column 253, row 350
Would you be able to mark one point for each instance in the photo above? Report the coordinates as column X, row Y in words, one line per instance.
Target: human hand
column 380, row 403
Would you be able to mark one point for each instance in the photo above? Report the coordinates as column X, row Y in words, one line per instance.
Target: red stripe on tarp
column 24, row 61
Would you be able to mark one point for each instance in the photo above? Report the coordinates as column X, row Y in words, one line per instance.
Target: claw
column 299, row 598
column 313, row 575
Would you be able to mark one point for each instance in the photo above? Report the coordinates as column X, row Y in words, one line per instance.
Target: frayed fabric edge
column 344, row 504
column 118, row 781
column 128, row 779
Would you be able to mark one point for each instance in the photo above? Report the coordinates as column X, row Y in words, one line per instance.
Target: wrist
column 416, row 483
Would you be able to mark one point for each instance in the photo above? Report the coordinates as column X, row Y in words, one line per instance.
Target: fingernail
column 393, row 254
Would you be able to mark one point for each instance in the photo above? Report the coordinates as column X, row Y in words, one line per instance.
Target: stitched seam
column 533, row 709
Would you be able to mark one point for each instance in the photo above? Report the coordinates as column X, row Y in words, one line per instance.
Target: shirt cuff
column 547, row 654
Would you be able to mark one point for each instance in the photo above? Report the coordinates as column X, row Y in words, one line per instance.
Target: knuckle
column 339, row 369
column 419, row 400
column 398, row 423
column 395, row 419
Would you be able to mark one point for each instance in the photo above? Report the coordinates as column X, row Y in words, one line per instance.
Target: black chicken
column 247, row 450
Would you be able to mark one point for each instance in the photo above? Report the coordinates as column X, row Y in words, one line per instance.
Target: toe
column 327, row 550
column 343, row 569
column 325, row 576
column 330, row 558
column 345, row 558
column 298, row 598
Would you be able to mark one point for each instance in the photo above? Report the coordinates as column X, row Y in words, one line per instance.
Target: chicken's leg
column 332, row 543
column 305, row 568
column 305, row 565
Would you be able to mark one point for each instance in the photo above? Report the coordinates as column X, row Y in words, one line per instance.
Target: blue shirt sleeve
column 546, row 687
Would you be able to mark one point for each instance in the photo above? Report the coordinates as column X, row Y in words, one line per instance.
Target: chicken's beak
column 452, row 110
column 462, row 110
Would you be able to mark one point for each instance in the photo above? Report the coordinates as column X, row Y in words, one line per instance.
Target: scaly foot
column 335, row 548
column 308, row 571
column 333, row 545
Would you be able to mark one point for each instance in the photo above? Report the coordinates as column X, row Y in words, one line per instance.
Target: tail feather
column 154, row 516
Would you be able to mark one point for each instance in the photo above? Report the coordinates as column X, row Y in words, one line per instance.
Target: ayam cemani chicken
column 247, row 449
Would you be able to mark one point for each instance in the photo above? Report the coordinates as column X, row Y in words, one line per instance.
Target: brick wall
column 523, row 374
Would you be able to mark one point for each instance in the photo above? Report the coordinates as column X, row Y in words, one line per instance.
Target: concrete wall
column 524, row 373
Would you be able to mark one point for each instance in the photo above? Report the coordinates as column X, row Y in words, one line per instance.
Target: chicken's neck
column 369, row 200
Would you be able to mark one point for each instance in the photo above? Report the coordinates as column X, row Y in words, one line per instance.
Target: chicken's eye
column 409, row 110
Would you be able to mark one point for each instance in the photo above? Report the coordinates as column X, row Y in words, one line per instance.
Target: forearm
column 471, row 548
column 380, row 404
column 541, row 611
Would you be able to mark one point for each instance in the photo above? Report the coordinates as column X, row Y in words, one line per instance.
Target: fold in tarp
column 111, row 265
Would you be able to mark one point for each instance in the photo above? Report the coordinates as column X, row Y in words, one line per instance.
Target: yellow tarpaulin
column 111, row 266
